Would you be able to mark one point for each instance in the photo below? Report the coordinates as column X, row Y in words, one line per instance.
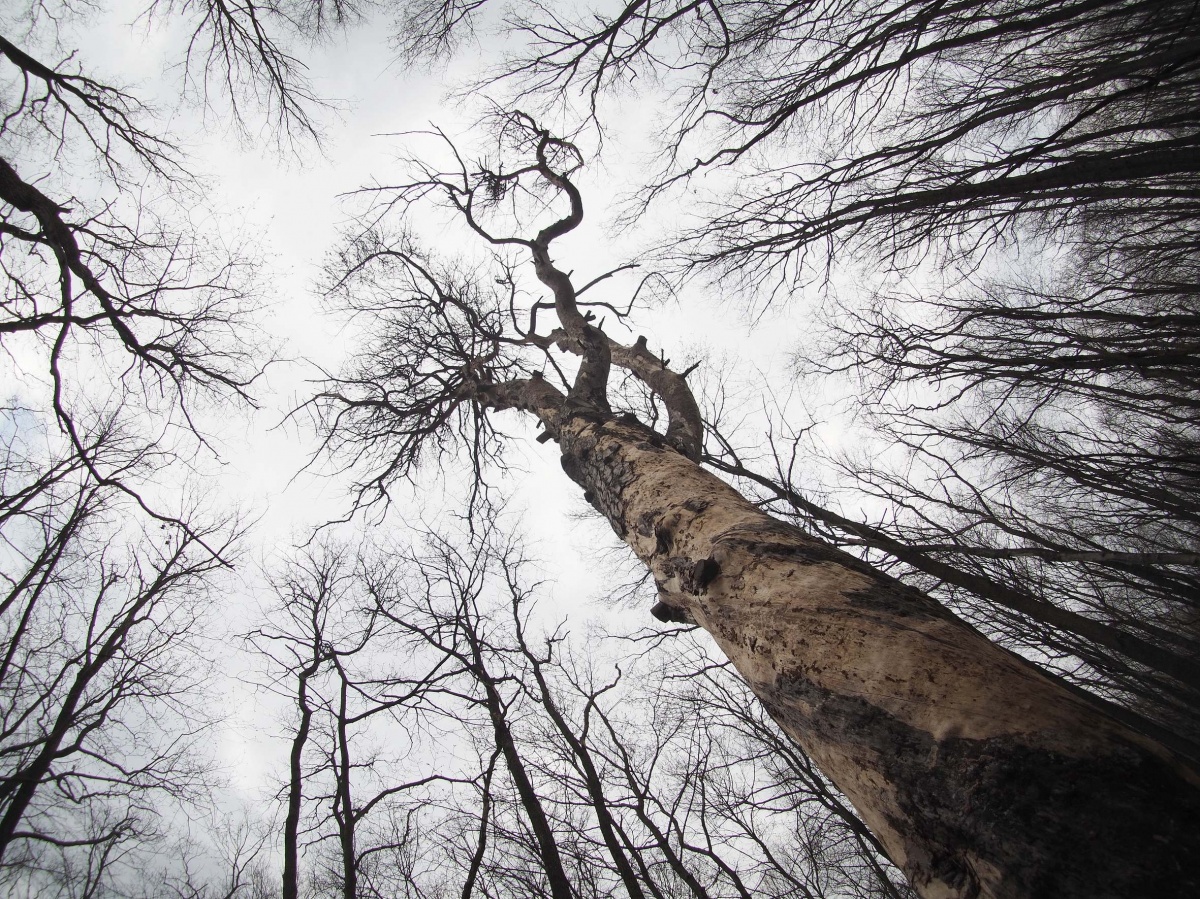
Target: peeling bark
column 1183, row 669
column 981, row 775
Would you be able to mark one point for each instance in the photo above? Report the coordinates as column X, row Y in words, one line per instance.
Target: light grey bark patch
column 885, row 594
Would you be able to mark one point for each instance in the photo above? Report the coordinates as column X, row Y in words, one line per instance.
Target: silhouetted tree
column 101, row 710
column 527, row 769
column 921, row 721
column 123, row 313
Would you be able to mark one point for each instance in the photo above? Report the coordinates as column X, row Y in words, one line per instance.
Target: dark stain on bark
column 1047, row 818
column 663, row 539
column 601, row 471
column 704, row 572
column 651, row 524
column 785, row 542
column 885, row 595
column 671, row 614
column 693, row 576
column 899, row 601
column 1025, row 805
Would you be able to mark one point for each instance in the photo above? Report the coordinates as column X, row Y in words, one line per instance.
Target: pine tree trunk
column 980, row 774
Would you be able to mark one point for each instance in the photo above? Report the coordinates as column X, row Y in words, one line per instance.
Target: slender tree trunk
column 981, row 775
column 291, row 824
column 347, row 818
column 591, row 777
column 24, row 783
column 485, row 811
column 547, row 845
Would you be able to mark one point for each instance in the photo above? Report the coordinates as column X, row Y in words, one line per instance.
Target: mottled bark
column 981, row 775
column 1186, row 670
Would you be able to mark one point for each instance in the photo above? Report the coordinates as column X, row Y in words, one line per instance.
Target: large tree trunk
column 981, row 775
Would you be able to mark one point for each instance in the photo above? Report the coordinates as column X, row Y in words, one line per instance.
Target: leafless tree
column 1122, row 657
column 931, row 119
column 101, row 709
column 222, row 857
column 551, row 778
column 357, row 692
column 1050, row 408
column 122, row 314
column 872, row 678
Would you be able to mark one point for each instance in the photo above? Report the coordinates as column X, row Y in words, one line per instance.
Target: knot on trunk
column 671, row 614
column 693, row 577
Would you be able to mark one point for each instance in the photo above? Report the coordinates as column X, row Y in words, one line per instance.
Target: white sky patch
column 290, row 208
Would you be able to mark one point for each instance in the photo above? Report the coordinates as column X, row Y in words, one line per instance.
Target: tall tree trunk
column 582, row 755
column 539, row 823
column 344, row 810
column 295, row 794
column 982, row 775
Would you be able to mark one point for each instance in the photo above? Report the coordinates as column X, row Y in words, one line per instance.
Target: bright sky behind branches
column 288, row 204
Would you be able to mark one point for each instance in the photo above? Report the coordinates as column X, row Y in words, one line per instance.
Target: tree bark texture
column 981, row 775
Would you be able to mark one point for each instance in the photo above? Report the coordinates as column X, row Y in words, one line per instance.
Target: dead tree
column 979, row 774
column 1055, row 491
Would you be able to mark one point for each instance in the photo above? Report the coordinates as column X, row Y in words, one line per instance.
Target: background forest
column 290, row 605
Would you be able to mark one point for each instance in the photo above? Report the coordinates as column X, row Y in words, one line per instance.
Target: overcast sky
column 290, row 203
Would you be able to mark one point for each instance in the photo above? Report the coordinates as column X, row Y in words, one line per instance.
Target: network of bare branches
column 102, row 711
column 1039, row 390
column 127, row 310
column 447, row 342
column 559, row 770
column 893, row 122
column 121, row 295
column 1040, row 160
